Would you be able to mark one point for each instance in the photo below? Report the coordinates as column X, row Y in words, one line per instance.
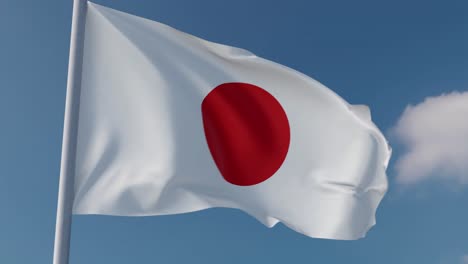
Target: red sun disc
column 247, row 132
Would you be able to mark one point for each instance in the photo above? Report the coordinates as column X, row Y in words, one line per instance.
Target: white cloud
column 435, row 136
column 464, row 259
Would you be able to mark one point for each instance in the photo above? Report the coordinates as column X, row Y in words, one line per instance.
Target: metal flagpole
column 67, row 167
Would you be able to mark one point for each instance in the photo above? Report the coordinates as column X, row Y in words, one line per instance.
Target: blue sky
column 386, row 54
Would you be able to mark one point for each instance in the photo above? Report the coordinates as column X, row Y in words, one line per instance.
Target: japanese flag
column 170, row 123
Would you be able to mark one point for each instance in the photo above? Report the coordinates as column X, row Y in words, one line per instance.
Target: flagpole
column 67, row 166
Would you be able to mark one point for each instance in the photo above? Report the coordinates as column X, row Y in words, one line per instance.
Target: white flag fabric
column 170, row 123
